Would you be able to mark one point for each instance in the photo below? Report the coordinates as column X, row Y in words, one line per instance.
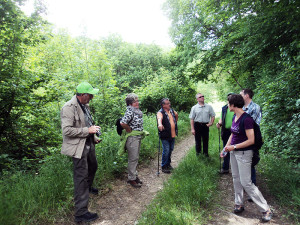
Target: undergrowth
column 42, row 197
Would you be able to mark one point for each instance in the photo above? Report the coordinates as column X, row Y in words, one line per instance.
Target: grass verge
column 188, row 196
column 283, row 181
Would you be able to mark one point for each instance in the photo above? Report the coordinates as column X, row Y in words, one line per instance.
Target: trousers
column 84, row 170
column 241, row 174
column 167, row 146
column 201, row 135
column 133, row 146
column 225, row 137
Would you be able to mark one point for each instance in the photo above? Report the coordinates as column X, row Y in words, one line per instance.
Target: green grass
column 27, row 198
column 189, row 195
column 41, row 198
column 283, row 181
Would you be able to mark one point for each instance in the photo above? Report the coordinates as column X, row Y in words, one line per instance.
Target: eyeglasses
column 90, row 95
column 201, row 96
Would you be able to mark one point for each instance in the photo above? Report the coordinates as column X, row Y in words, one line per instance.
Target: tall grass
column 283, row 180
column 39, row 198
column 189, row 194
column 27, row 198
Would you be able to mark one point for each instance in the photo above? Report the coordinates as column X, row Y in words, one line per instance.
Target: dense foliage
column 246, row 44
column 41, row 69
column 234, row 44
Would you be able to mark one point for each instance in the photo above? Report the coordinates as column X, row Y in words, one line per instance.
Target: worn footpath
column 122, row 204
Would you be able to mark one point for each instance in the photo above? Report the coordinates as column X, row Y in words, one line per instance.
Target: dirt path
column 251, row 215
column 124, row 204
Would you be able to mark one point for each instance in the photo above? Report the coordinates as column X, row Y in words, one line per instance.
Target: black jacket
column 166, row 133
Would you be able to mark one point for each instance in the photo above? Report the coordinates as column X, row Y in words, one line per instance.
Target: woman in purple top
column 239, row 145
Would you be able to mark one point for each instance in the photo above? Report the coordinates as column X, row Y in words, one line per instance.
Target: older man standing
column 79, row 141
column 202, row 116
column 167, row 126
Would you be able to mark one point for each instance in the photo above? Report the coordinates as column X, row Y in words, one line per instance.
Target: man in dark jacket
column 225, row 122
column 167, row 127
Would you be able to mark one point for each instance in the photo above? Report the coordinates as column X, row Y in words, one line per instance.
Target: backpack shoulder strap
column 242, row 126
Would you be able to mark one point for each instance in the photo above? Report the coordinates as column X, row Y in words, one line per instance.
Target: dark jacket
column 224, row 112
column 166, row 133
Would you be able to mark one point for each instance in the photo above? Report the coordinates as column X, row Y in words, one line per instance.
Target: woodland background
column 225, row 45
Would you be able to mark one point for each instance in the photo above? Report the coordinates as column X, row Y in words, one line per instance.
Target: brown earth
column 122, row 204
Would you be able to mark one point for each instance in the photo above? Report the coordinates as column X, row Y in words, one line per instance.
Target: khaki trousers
column 133, row 145
column 241, row 173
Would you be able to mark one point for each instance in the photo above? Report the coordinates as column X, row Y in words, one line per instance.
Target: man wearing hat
column 225, row 122
column 79, row 139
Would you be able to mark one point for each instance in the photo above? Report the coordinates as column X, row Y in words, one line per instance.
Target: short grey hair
column 130, row 98
column 197, row 95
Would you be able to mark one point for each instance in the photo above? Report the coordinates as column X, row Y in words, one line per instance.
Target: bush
column 38, row 198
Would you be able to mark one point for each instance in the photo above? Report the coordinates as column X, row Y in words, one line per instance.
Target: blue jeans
column 167, row 146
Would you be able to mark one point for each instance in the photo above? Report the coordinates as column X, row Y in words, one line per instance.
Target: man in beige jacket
column 79, row 139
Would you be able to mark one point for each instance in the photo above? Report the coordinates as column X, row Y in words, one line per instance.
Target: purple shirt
column 237, row 135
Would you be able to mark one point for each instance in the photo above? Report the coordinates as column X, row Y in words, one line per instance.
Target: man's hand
column 209, row 124
column 193, row 131
column 218, row 125
column 161, row 127
column 93, row 129
column 98, row 141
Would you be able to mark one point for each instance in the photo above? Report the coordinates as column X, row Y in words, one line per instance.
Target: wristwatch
column 234, row 147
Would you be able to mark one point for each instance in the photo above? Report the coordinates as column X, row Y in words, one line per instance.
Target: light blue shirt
column 254, row 111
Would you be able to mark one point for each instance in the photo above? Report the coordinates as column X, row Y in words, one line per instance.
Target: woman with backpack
column 132, row 122
column 240, row 146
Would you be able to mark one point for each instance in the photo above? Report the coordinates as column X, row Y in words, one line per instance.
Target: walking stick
column 158, row 153
column 219, row 149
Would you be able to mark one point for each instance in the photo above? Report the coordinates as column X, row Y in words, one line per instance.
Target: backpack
column 119, row 127
column 258, row 140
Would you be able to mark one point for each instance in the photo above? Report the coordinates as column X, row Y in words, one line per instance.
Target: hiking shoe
column 267, row 216
column 165, row 170
column 87, row 217
column 238, row 209
column 170, row 167
column 138, row 180
column 134, row 184
column 249, row 199
column 93, row 191
column 224, row 171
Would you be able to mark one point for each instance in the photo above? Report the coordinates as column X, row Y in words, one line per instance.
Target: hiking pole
column 219, row 149
column 158, row 153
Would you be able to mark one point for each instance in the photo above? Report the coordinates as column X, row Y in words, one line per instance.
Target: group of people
column 80, row 134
